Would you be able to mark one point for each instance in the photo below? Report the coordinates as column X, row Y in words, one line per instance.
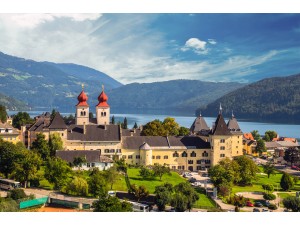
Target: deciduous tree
column 292, row 203
column 55, row 143
column 247, row 170
column 255, row 135
column 269, row 169
column 40, row 145
column 163, row 195
column 97, row 184
column 292, row 155
column 160, row 170
column 139, row 191
column 3, row 114
column 111, row 204
column 8, row 156
column 21, row 119
column 112, row 175
column 78, row 186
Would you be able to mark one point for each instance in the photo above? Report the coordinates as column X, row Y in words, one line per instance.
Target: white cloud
column 196, row 45
column 212, row 41
column 33, row 20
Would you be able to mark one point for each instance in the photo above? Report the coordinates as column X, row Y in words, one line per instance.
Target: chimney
column 84, row 128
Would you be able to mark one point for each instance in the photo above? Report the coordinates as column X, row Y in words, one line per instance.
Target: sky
column 150, row 47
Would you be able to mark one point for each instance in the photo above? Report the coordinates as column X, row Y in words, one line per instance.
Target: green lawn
column 204, row 202
column 263, row 179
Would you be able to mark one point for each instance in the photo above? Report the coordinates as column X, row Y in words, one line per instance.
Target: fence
column 34, row 202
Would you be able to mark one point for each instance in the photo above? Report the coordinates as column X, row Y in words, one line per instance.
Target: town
column 87, row 163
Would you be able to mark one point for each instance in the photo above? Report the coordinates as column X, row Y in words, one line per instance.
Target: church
column 204, row 147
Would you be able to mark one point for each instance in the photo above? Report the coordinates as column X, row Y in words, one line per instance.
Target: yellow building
column 9, row 133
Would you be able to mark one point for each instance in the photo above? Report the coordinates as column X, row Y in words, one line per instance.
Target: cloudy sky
column 159, row 47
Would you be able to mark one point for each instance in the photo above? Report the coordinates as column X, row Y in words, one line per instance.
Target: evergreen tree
column 91, row 115
column 135, row 126
column 125, row 123
column 52, row 114
column 113, row 120
column 286, row 182
column 3, row 115
column 255, row 135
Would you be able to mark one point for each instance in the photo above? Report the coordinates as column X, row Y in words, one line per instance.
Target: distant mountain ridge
column 12, row 104
column 50, row 85
column 274, row 99
column 175, row 94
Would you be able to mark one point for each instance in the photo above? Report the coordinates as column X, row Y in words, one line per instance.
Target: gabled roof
column 89, row 155
column 144, row 146
column 248, row 136
column 94, row 133
column 58, row 122
column 220, row 126
column 198, row 125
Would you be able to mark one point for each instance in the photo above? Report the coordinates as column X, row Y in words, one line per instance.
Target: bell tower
column 82, row 109
column 102, row 109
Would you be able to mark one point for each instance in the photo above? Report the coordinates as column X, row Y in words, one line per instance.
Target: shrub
column 269, row 196
column 272, row 207
column 16, row 194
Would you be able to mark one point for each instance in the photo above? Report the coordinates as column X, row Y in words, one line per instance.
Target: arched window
column 104, row 113
column 81, row 113
column 193, row 154
column 175, row 154
column 84, row 113
column 101, row 113
column 184, row 154
column 204, row 154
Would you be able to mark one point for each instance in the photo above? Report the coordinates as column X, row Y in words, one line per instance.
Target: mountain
column 274, row 99
column 184, row 95
column 12, row 104
column 50, row 85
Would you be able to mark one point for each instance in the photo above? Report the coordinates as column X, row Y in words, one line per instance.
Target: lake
column 284, row 130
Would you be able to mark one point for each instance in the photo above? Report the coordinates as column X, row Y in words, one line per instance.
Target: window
column 104, row 113
column 62, row 134
column 193, row 154
column 124, row 156
column 222, row 148
column 190, row 161
column 198, row 167
column 184, row 154
column 166, row 157
column 175, row 154
column 222, row 141
column 207, row 161
column 158, row 157
column 173, row 167
column 198, row 161
column 88, row 165
column 111, row 150
column 101, row 113
column 204, row 154
column 130, row 157
column 222, row 155
column 137, row 156
column 93, row 164
column 105, row 164
column 179, row 167
column 153, row 157
column 237, row 152
column 106, row 150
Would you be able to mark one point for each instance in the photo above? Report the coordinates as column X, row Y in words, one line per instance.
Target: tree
column 269, row 169
column 52, row 114
column 57, row 172
column 97, row 184
column 68, row 119
column 27, row 166
column 135, row 126
column 113, row 120
column 153, row 128
column 260, row 146
column 145, row 173
column 189, row 192
column 163, row 195
column 21, row 119
column 78, row 186
column 17, row 194
column 292, row 203
column 292, row 155
column 78, row 161
column 125, row 123
column 179, row 202
column 3, row 114
column 112, row 175
column 286, row 182
column 160, row 170
column 8, row 156
column 255, row 135
column 55, row 143
column 40, row 145
column 8, row 205
column 268, row 187
column 91, row 115
column 269, row 135
column 139, row 191
column 170, row 126
column 183, row 131
column 247, row 170
column 120, row 165
column 111, row 204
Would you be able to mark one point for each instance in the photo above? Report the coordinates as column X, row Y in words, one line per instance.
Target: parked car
column 266, row 203
column 204, row 175
column 265, row 210
column 256, row 210
column 249, row 204
column 192, row 180
column 295, row 168
column 258, row 204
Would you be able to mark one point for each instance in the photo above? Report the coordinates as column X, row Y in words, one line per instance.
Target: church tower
column 102, row 109
column 82, row 109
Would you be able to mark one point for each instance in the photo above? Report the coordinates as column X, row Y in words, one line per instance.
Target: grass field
column 204, row 202
column 263, row 179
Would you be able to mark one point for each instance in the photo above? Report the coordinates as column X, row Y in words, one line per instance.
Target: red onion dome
column 82, row 99
column 102, row 98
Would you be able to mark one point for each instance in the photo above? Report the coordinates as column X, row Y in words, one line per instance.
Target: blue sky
column 158, row 47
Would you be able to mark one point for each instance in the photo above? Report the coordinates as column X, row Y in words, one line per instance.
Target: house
column 9, row 133
column 93, row 158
